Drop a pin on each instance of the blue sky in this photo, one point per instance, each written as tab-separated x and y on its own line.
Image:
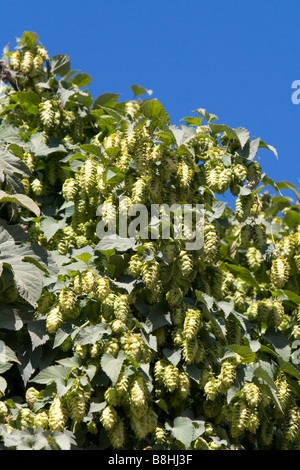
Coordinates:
235	58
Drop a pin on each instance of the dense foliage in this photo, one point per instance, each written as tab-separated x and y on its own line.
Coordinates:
131	343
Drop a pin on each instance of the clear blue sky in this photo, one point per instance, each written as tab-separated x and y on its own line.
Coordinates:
235	58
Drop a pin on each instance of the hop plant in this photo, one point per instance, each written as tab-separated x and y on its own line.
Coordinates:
168	330
25	418
211	242
243	207
225	179
241	416
212	388
41	420
254	258
54	319
171	377
227	374
160	435
184	386
88	175
58	414
31	396
26	62
76	401
280	271
251	394
292	424
118	435
192	323
109	418
137	392
135	266
239	173
185	174
254	174
37	187
185	263
3	411
67	300
69	189
191	350
122	308
122	386
87	281
283	392
47	113
150	273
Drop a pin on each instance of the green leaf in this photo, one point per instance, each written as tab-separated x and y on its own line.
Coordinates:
263	374
91	334
139	90
218	209
4	367
192	121
112	365
262	144
42	148
183	135
94	150
199	428
271	393
22	200
106	99
60	64
280	343
37	332
65	93
115	242
13	168
113	175
243	273
85	257
28	100
3	385
162	404
69	362
126	282
64	439
50	226
96	407
7	354
193	372
10	134
154	109
287	295
28	39
81	79
27	262
157	318
51	374
207	116
227	307
240	133
288	185
244	351
26	276
250	149
183	430
10	318
62	334
291	218
173	356
288	368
